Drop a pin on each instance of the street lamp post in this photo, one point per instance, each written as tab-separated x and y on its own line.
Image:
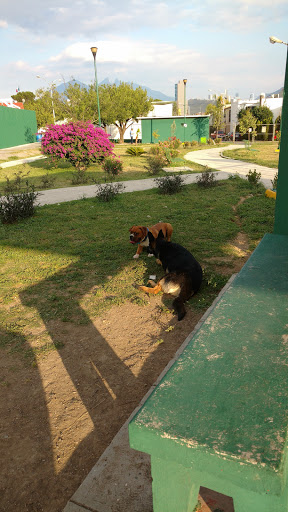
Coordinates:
51	85
94	51
281	207
185	82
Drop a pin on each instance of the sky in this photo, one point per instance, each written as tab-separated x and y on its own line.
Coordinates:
216	46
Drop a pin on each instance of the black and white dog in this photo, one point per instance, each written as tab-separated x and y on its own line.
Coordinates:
183	272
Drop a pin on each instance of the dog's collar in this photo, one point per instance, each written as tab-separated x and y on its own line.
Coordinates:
145	237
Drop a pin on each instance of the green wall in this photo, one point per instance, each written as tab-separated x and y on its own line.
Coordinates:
17	127
197	127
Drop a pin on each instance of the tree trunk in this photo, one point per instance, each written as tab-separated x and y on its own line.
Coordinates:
122	130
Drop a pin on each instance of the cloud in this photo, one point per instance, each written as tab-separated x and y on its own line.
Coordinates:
95	18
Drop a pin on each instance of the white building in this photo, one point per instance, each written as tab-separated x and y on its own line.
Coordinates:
160	109
231	111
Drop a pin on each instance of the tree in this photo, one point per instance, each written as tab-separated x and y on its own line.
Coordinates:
121	105
247	121
263	115
217	113
79	103
25	97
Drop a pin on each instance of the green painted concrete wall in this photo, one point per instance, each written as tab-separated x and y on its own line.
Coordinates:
197	128
17	127
281	208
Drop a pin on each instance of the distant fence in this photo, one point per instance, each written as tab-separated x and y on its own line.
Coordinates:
17	127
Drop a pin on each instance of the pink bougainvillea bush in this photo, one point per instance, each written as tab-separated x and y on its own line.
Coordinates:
79	142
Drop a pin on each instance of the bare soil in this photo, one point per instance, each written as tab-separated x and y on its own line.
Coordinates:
57	418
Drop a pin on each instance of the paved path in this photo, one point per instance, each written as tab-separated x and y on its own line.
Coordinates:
210	157
213	159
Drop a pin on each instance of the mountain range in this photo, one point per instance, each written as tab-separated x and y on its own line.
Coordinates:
156	95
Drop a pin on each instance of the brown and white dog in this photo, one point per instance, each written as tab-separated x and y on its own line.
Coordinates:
139	235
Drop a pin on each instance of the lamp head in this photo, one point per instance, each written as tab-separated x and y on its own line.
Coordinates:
94	51
274	40
185	80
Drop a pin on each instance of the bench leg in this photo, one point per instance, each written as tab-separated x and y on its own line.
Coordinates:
245	501
173	487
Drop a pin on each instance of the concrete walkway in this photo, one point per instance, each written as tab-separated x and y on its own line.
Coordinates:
213	159
207	157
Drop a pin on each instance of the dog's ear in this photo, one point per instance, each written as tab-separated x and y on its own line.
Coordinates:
151	238
161	234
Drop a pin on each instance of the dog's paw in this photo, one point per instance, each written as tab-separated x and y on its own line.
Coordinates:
150	255
136	256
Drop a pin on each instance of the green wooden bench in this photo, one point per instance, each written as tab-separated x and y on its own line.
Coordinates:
219	416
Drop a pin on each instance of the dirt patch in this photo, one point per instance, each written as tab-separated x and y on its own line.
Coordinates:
58	417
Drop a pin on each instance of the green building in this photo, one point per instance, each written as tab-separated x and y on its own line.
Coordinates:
184	128
17	127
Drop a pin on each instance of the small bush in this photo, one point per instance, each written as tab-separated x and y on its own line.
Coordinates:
194	143
186	144
112	166
218	140
135	151
206	179
253	177
170	184
274	181
154	150
79	177
210	141
108	191
18	201
155	164
47	181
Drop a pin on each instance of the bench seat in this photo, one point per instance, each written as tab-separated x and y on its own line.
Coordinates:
219	416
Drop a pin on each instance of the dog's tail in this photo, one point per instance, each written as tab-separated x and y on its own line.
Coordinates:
179	307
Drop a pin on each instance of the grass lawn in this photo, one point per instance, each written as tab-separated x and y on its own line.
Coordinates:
262	153
72	261
62	175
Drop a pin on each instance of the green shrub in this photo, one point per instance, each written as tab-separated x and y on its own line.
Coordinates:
209	141
18	201
194	143
274	181
108	191
170	184
218	140
112	166
253	177
155	164
154	150
79	177
135	151
186	144
206	179
47	181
